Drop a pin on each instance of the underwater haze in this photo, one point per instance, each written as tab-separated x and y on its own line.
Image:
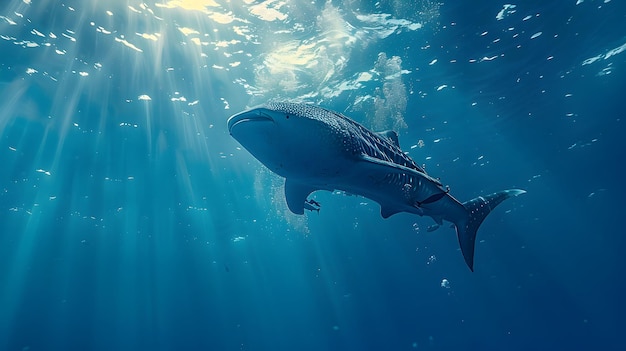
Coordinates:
131	220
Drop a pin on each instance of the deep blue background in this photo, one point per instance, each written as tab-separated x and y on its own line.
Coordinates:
168	236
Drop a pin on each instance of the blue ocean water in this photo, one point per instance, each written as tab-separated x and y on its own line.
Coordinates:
131	220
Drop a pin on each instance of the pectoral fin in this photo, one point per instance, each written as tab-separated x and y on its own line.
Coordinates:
296	195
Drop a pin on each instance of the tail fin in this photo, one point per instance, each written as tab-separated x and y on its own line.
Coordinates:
477	209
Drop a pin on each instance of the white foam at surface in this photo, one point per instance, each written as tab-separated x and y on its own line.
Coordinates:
609	54
364	77
269	10
38	33
68	37
127	44
187	31
507	10
386	25
153	37
615	51
8	20
592	59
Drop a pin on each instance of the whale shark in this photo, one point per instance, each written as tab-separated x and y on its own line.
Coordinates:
314	148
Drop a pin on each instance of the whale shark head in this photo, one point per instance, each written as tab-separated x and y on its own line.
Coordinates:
291	139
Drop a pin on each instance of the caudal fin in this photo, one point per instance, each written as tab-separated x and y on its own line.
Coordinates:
477	210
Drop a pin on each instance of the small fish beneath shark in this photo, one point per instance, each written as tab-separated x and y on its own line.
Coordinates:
318	149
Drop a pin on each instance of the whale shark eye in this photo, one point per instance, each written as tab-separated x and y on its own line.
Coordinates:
287	116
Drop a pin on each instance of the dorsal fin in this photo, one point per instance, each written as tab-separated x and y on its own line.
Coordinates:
390	135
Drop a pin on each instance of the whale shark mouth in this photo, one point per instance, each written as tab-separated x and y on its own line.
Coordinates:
246	117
